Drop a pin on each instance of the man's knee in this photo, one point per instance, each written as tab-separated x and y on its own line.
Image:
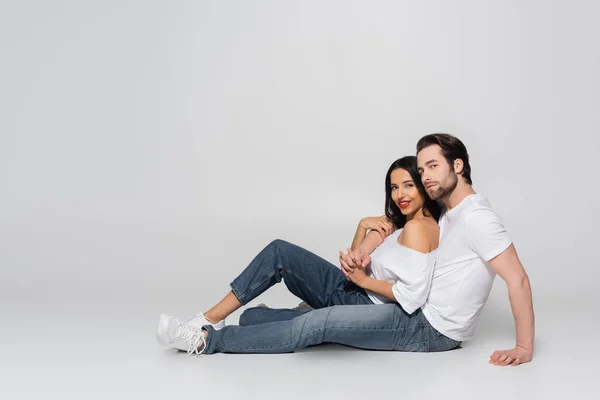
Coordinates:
311	321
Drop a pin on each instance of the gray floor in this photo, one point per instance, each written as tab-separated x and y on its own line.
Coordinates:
94	343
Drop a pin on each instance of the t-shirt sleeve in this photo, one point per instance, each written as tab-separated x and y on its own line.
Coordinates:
412	290
486	233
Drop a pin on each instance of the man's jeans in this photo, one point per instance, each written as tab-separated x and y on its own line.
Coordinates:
343	312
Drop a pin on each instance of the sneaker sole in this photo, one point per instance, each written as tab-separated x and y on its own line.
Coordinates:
161	330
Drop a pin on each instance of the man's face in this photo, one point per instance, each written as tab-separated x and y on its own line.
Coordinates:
437	175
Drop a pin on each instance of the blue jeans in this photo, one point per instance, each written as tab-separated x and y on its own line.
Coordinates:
343	312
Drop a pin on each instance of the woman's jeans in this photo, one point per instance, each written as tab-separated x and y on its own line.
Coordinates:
343	312
308	276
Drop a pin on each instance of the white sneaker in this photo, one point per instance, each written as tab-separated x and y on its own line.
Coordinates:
199	320
171	332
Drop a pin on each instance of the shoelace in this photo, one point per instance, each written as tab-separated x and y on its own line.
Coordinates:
193	337
196	319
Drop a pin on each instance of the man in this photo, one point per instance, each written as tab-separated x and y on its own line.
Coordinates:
473	248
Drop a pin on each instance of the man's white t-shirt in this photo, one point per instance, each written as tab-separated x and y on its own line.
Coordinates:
471	234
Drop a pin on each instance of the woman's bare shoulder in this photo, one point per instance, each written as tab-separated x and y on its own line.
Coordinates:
421	235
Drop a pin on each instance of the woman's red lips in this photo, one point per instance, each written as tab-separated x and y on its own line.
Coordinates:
404	204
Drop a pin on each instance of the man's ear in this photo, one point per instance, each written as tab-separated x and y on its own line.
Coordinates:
458	166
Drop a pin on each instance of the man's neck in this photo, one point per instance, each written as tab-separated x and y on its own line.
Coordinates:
459	193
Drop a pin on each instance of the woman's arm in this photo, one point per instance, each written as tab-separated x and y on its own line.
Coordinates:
381	288
356	272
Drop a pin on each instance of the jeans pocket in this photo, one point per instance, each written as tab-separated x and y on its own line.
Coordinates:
443	342
421	347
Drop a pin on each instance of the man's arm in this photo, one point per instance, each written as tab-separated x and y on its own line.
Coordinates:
359	236
378	224
371	242
508	266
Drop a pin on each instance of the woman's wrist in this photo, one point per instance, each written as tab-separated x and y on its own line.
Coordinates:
364	282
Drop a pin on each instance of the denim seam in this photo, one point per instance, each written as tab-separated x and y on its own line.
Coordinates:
207	341
242	297
305	322
424	342
418	326
237	293
260	283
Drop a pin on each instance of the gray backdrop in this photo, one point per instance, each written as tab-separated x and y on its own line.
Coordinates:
149	149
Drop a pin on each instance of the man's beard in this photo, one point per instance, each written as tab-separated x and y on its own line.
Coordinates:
444	188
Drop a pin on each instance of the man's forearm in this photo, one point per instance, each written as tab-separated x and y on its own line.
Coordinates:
370	243
359	237
521	303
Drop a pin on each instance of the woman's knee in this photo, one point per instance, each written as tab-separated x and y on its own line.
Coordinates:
249	316
279	243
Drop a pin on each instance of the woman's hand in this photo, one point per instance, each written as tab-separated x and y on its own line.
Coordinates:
354	266
382	224
354	258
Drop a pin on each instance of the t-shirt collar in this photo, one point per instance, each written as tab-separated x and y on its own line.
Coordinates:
450	214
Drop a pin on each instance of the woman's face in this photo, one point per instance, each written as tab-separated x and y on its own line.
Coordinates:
404	192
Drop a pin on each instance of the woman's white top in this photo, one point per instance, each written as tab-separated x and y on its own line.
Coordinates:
409	270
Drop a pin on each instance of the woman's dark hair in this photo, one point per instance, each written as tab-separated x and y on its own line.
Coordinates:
452	148
392	211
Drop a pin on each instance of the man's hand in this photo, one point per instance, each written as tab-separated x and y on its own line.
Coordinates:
382	224
514	357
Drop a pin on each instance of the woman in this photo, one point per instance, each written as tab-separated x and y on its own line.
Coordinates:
394	278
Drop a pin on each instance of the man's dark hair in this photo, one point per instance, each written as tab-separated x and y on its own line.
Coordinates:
452	148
